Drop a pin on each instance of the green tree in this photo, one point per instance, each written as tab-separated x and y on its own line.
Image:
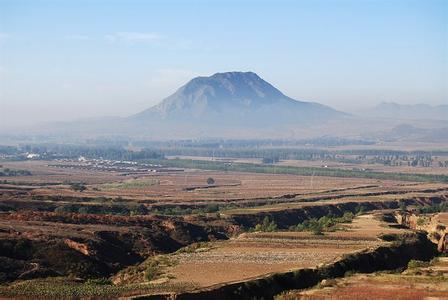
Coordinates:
267	225
78	186
210	181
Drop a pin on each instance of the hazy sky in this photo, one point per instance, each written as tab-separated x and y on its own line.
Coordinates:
75	59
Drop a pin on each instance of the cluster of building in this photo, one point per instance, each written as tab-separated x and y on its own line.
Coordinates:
129	167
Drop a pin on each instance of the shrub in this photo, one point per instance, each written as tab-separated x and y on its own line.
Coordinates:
84	210
266	226
388	237
412	264
152	271
66	208
420	221
317	231
78	186
325	223
211	208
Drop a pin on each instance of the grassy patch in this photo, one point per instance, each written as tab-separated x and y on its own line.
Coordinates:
325	223
413	264
151	269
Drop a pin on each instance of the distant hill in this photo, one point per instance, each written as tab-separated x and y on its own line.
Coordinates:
410	112
407	132
234	99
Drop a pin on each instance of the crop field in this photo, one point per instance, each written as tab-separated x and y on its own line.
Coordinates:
257	254
191	185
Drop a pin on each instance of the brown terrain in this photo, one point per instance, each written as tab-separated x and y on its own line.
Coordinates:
188	233
428	281
254	254
415	283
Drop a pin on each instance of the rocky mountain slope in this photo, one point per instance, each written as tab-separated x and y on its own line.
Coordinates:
232	98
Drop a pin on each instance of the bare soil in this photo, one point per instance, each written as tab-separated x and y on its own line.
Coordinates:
256	254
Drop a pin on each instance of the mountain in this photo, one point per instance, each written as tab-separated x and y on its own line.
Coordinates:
224	105
408	112
234	98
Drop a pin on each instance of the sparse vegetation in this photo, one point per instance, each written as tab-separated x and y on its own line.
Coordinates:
413	264
78	186
10	172
421	221
325	223
200	246
152	270
179	211
435	208
266	226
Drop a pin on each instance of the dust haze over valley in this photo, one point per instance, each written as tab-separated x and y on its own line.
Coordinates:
243	105
228	150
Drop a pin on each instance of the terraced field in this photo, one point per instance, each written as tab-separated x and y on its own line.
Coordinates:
251	255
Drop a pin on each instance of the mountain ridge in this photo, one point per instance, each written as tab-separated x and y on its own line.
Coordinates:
407	111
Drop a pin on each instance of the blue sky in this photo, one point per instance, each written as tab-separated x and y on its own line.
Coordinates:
77	59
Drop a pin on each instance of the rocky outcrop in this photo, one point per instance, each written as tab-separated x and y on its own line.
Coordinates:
437	232
442	246
407	219
80	247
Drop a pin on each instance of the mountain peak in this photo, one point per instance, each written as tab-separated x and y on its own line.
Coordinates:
236	75
231	85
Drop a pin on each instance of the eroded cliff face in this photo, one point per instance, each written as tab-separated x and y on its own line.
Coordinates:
407	219
292	216
42	244
431	223
86	245
442	245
